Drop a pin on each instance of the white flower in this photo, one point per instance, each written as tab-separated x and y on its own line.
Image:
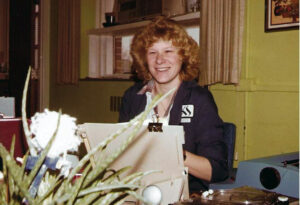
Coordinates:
1	176
43	126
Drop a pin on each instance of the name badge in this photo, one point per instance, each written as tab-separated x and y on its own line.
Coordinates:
185	120
187	113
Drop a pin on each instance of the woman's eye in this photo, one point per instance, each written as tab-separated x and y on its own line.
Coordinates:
169	51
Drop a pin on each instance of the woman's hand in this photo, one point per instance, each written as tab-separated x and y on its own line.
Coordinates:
198	166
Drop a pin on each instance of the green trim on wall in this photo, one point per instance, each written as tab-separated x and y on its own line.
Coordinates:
87	22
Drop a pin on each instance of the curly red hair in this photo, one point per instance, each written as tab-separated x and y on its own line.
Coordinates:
168	30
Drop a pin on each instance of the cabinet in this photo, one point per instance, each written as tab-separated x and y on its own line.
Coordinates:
104	46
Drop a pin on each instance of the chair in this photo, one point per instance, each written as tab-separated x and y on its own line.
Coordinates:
8	128
229	138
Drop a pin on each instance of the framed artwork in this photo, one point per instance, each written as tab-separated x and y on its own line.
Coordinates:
281	14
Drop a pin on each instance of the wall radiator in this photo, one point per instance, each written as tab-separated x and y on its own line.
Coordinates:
115	103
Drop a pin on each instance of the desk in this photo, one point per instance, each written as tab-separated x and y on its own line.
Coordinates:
241	195
9	127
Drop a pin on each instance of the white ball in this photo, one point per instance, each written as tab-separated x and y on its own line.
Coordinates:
152	194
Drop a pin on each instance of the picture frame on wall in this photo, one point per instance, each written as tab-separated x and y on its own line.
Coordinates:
281	15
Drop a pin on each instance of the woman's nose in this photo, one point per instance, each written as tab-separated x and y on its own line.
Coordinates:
160	58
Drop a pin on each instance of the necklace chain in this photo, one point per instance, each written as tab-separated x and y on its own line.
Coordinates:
166	110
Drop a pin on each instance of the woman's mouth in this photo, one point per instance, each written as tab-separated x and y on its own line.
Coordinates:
162	69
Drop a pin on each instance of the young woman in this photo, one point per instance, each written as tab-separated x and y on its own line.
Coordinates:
166	57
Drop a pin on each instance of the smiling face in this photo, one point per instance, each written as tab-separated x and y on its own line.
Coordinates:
164	63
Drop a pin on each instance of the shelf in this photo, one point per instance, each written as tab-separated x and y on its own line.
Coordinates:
126	29
120	77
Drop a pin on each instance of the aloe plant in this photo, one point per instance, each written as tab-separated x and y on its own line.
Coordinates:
95	186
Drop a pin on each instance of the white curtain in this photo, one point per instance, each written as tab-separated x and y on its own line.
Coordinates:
221	36
68	42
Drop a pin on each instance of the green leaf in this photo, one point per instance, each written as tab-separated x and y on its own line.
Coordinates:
24	116
10	180
25	157
107	187
14	171
55	185
116	174
78	184
12	145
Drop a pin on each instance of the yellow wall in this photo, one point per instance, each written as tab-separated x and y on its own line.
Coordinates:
264	106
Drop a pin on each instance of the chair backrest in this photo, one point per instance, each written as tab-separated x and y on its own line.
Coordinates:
229	137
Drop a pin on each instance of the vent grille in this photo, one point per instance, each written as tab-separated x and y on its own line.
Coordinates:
115	103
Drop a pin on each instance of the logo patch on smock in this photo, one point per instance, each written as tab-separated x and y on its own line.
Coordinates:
187	111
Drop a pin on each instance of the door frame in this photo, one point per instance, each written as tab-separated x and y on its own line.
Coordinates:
44	87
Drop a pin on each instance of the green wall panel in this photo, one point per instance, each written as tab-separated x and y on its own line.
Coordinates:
90	100
273	123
